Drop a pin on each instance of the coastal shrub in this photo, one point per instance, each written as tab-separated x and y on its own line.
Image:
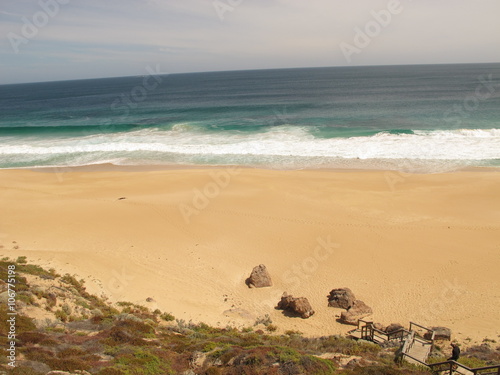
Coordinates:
483	352
35	270
271	328
265	320
24	370
472	362
317	366
61	315
293	333
66	309
69	364
27	298
22	260
143	362
39	354
26	338
72	352
82	302
51	300
209	347
23	323
38	292
71	280
213	371
254	357
285	355
378	370
337	344
167	317
21	284
111	371
229	354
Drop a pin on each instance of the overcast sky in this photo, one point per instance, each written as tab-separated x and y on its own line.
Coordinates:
74	39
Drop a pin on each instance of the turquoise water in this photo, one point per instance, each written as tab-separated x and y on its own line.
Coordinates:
423	118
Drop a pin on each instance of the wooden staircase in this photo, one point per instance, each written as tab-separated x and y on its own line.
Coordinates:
417	343
418	351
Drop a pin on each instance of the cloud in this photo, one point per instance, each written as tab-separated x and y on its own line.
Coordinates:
92	35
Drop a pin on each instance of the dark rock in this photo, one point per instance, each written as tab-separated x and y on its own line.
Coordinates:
358	310
259	278
441	333
392	331
297	306
393	327
343	298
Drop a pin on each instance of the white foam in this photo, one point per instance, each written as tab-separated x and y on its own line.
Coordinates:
280	142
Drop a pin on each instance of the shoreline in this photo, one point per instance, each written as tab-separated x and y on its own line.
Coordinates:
110	167
423	249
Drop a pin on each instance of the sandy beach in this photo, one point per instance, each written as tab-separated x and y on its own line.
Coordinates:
422	248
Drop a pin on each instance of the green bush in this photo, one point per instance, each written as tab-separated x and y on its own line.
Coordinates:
167	317
144	363
472	362
61	315
271	328
209	347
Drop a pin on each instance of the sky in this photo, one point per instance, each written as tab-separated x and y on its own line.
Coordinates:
49	40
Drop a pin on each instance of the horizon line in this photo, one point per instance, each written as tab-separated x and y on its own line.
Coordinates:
250	70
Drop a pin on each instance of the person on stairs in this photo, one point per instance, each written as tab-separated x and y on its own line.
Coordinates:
455	352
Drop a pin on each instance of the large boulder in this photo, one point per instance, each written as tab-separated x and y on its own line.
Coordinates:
440	333
393	327
259	278
297	306
342	298
358	310
380	327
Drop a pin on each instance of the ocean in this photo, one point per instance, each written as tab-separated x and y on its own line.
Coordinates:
422	118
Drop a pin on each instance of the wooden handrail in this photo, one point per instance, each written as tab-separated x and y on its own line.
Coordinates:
421	326
473	370
364	321
369	326
433	333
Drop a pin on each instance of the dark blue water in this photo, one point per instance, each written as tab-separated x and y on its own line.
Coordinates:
428	117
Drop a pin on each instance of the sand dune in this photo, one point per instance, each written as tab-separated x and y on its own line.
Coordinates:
424	248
